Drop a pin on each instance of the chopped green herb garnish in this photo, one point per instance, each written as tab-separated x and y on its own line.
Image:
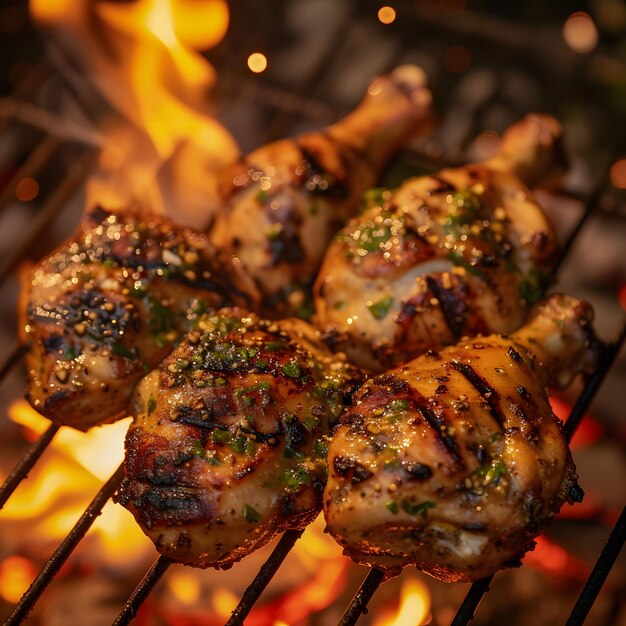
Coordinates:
392	505
490	473
295	478
250	514
417	509
275	346
373	198
160	318
151	405
292	369
380	309
457	259
119	349
220	436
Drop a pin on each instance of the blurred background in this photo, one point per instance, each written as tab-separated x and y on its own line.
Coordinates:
140	102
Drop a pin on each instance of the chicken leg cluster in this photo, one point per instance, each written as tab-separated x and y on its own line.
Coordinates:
249	422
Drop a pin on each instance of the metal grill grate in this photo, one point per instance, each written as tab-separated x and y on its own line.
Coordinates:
289	106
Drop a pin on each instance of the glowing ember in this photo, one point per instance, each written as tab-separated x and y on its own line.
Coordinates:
16	575
414	608
617	174
622	297
224	601
587	432
386	15
27	189
580	33
552	558
162	155
185	585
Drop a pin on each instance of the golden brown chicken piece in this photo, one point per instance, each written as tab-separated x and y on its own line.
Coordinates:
229	443
287	199
108	305
455	461
463	252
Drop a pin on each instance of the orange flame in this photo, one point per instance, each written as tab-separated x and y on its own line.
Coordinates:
141	57
61	486
414	608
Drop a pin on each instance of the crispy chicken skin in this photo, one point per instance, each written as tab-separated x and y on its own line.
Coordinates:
287	199
229	443
454	462
108	305
463	252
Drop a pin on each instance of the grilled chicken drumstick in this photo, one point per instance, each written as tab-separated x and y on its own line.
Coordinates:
455	461
229	443
286	200
462	252
108	305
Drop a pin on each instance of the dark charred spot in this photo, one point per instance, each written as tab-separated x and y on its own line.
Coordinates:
474	527
576	494
350	468
524	393
296	434
515	355
319	181
417	471
53	343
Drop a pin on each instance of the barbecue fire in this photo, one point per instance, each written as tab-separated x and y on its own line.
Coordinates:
160	145
414	607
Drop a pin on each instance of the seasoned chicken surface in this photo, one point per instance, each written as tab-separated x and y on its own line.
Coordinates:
287	199
229	443
455	461
463	252
108	305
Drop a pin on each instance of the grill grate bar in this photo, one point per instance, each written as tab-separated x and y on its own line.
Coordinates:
61	554
600	571
591	203
26	463
265	575
609	354
143	589
466	611
358	605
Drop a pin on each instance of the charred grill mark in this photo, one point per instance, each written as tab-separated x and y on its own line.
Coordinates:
440	428
389	386
484	389
194	416
318	180
443	186
285	246
453	306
